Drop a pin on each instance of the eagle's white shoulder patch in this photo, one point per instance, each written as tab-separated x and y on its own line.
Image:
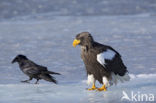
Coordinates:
108	54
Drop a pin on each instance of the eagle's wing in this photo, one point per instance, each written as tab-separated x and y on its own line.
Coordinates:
111	60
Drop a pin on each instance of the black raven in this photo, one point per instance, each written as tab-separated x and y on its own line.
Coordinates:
34	70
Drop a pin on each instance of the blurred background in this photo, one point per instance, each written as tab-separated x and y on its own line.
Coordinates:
10	9
44	30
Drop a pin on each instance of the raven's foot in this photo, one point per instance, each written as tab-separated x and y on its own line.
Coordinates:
25	81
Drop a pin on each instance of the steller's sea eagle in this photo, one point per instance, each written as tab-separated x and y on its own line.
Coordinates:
102	62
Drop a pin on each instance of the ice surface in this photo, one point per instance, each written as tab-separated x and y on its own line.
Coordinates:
74	92
44	33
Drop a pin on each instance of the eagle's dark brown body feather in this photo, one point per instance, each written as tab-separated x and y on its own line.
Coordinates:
89	57
89	51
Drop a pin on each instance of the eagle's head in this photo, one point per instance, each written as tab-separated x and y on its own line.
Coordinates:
83	39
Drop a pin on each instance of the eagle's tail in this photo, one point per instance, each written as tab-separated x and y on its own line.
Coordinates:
116	78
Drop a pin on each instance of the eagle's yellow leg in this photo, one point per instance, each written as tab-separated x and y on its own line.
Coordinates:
103	88
93	87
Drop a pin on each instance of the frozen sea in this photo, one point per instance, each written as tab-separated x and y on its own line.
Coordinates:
44	32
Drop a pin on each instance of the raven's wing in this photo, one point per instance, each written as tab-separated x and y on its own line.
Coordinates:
32	70
45	70
42	68
39	67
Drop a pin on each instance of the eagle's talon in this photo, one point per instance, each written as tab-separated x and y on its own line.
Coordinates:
92	88
103	88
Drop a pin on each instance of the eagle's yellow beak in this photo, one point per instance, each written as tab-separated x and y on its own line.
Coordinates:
76	42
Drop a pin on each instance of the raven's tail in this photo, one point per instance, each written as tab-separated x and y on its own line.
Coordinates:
48	77
50	72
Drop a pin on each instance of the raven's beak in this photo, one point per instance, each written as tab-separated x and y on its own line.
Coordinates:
14	60
76	42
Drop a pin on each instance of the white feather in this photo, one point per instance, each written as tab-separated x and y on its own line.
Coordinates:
108	54
116	78
91	79
105	81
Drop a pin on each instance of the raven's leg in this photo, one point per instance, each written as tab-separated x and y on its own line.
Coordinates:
27	81
37	81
